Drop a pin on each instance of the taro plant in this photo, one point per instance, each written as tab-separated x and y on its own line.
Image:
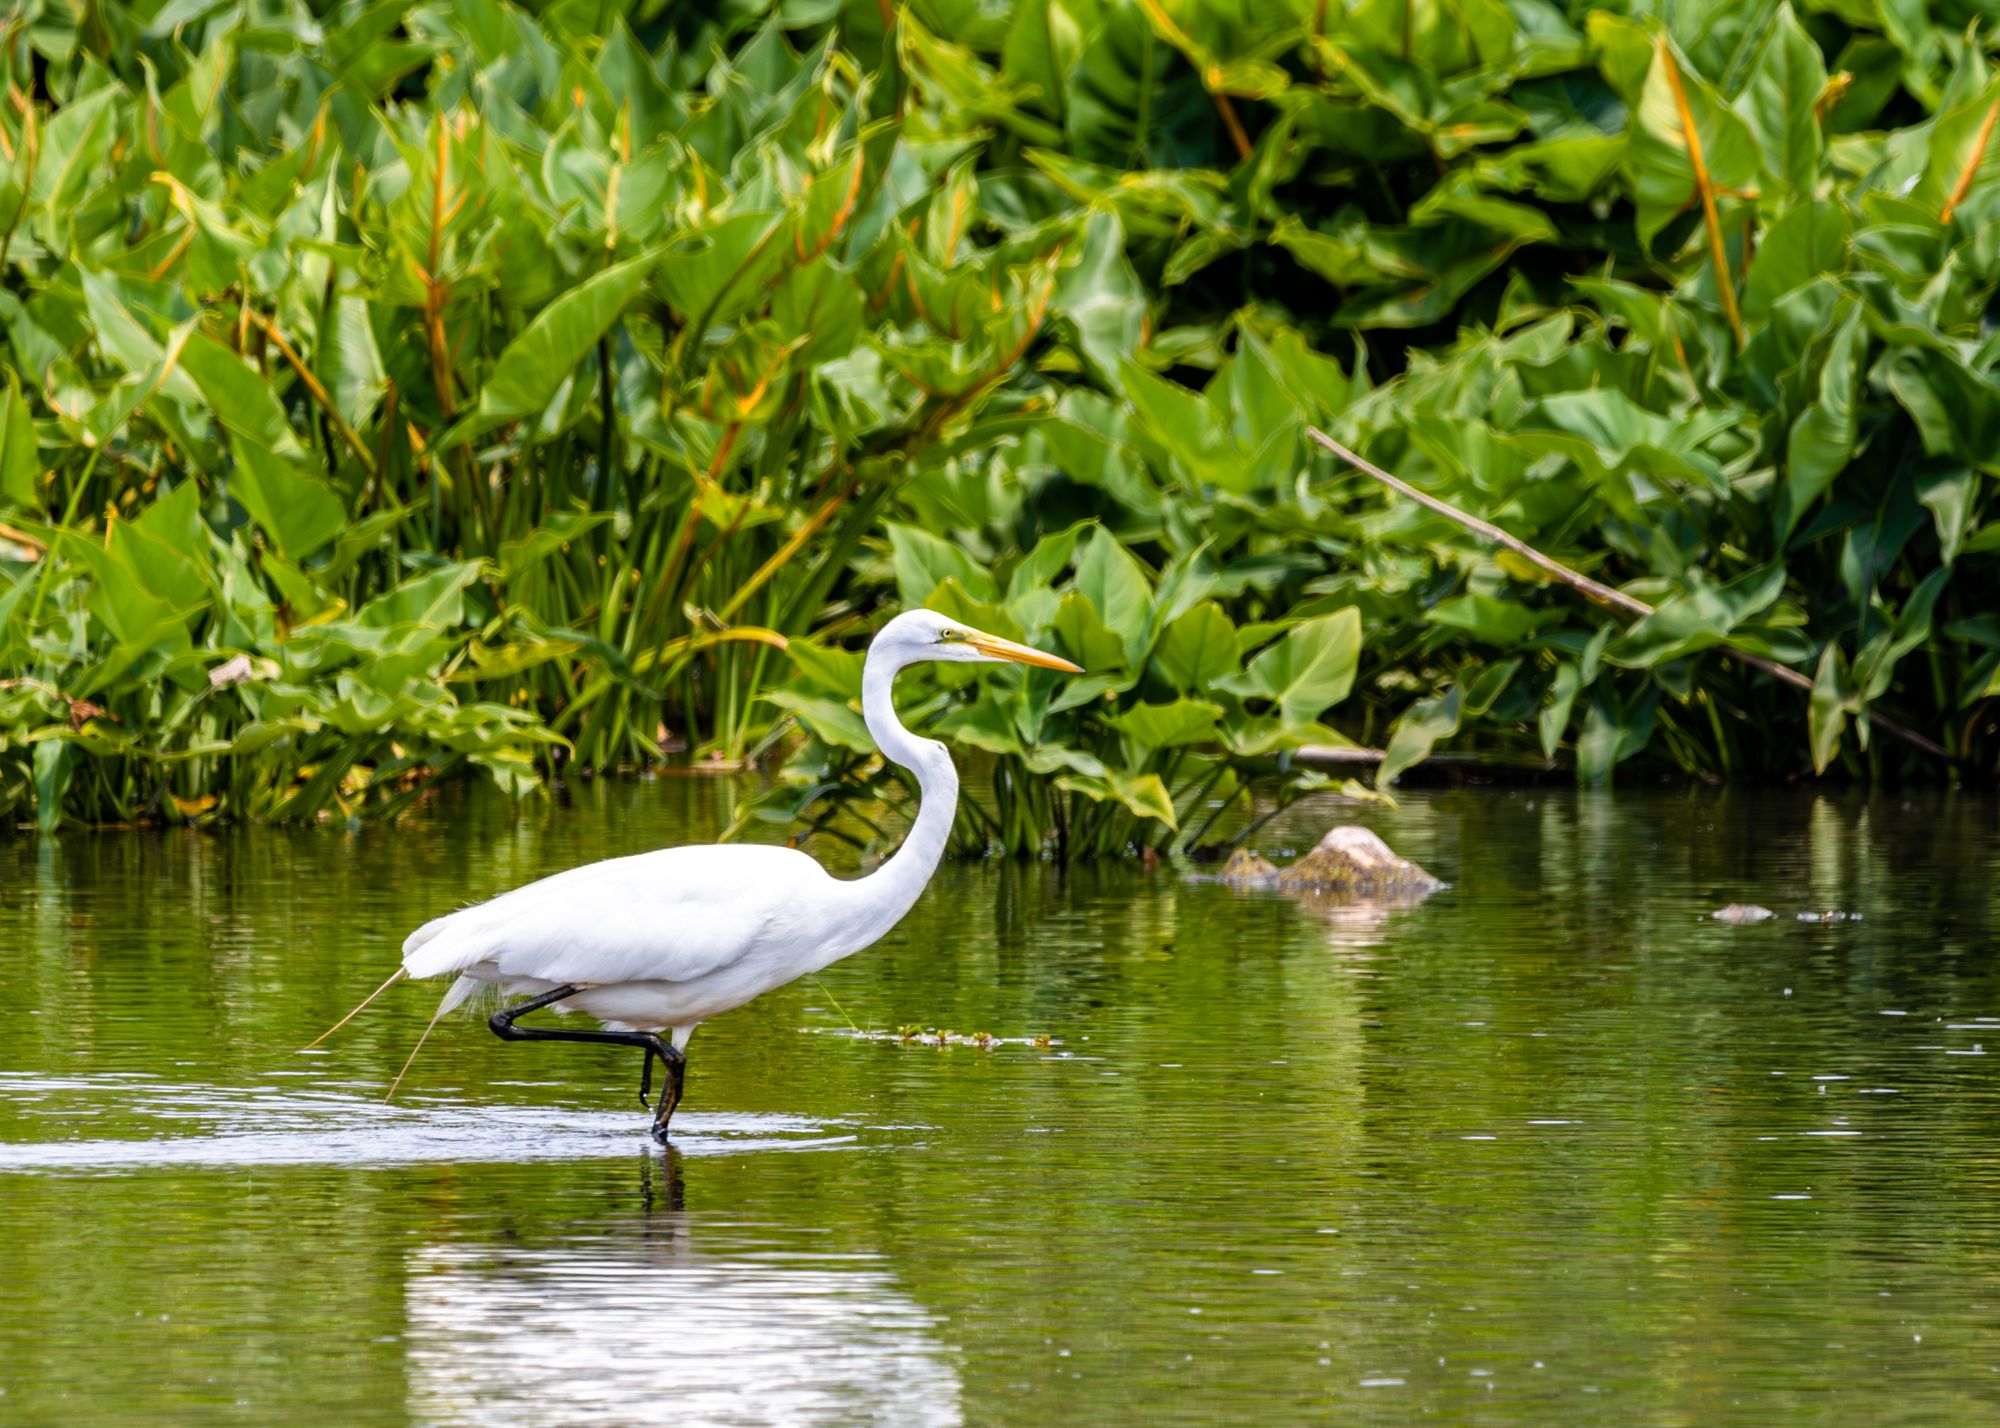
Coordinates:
1177	710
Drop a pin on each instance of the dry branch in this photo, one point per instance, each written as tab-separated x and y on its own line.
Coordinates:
1591	589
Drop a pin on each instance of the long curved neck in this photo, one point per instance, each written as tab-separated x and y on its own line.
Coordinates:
890	891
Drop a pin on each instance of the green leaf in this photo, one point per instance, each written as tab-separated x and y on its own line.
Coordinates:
1948	495
1616	436
433	601
1166	726
1822	439
1612	732
923	562
1875	667
1038	568
298	513
822	304
1697	619
831	720
1957	410
1781	102
348	360
1197	651
52	773
1417	733
1826	714
1459	199
1116	586
242	399
165	550
1483	691
20	463
536	363
1808	241
1553	719
124	339
1087	640
1308	671
1188	426
1143	794
1500	622
73	145
713	273
1102	299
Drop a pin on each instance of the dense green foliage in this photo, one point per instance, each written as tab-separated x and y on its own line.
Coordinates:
396	387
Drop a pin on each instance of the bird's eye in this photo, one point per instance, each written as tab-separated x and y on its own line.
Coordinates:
946	637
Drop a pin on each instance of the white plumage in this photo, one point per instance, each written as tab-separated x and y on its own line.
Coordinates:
661	939
665	940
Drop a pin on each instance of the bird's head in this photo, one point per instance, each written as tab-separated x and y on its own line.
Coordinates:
924	634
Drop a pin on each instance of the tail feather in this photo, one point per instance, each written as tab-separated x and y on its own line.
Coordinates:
452	944
458	992
426	933
394	978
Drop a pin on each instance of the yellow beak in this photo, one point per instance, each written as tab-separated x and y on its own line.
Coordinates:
993	647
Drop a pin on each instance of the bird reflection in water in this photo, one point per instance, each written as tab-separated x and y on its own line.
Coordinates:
637	1324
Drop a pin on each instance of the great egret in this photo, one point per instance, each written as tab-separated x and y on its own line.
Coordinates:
663	941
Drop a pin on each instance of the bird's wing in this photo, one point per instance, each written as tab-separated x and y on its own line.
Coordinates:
668	916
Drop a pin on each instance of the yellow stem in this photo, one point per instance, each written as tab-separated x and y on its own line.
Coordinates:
319	392
1971	170
1706	189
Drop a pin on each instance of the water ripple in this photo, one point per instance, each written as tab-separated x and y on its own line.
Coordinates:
281	1126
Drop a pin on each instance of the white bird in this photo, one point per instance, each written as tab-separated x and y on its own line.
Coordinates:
663	941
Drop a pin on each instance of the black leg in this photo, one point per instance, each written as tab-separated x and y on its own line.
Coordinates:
676	1070
675	1062
649	1042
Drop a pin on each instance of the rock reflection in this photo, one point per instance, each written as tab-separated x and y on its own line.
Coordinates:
647	1330
1351	926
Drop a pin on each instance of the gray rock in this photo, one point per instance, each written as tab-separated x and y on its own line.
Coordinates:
1349	861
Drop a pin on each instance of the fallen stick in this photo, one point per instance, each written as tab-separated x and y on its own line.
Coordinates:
1594	590
1339	756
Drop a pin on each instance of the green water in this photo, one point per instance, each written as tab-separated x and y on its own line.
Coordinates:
1553	1148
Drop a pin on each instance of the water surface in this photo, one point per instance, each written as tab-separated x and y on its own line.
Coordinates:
1553	1148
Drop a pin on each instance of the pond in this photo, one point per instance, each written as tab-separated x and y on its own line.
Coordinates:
1554	1147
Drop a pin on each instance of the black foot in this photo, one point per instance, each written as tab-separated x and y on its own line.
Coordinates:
648	1042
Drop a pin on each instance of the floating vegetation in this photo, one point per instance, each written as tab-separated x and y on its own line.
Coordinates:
919	1036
